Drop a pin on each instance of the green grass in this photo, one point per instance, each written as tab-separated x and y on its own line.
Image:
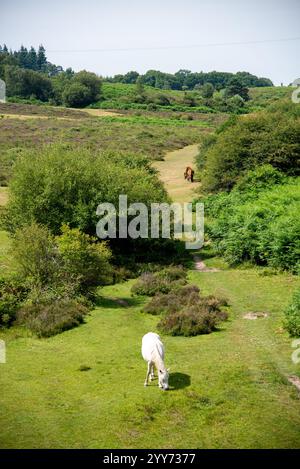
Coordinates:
84	388
156	121
262	97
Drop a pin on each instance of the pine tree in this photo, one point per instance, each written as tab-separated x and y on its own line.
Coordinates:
22	56
32	59
41	58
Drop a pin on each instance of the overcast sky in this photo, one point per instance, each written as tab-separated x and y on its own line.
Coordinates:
153	34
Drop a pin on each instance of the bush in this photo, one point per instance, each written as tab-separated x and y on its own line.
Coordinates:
84	258
173	301
60	185
258	221
47	319
76	95
201	318
12	293
164	281
81	90
292	316
250	141
71	263
36	255
185	312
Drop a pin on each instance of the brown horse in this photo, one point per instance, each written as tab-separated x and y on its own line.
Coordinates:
189	174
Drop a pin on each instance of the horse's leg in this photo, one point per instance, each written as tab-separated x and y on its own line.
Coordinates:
148	373
152	377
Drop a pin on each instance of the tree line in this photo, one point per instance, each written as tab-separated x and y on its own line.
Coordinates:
187	80
29	75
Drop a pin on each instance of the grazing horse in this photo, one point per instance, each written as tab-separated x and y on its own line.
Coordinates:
189	174
153	352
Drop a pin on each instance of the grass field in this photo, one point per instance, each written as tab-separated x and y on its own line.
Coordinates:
145	133
228	389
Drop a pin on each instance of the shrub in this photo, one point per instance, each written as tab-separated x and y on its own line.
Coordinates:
258	221
185	312
65	185
35	253
163	281
172	301
92	82
193	320
172	273
249	141
12	293
47	319
65	265
77	95
292	316
84	258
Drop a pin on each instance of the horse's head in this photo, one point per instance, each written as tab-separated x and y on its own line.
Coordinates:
163	376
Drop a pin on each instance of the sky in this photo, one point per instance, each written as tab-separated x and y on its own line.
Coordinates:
115	36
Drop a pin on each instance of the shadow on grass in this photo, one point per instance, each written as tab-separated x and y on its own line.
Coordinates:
179	381
110	302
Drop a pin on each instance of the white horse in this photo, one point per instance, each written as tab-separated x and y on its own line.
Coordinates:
153	352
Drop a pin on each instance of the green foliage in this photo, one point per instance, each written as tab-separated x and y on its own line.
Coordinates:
78	90
91	81
47	319
160	282
71	262
187	80
266	137
84	259
195	320
27	83
292	315
62	185
235	87
186	312
76	95
173	301
12	293
35	254
207	90
258	221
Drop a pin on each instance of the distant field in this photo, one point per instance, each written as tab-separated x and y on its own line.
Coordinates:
263	97
147	133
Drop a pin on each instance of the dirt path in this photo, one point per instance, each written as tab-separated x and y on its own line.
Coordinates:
171	173
91	112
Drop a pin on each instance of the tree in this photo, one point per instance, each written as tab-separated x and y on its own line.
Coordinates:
92	82
27	83
32	59
59	185
76	95
207	90
41	58
235	86
130	77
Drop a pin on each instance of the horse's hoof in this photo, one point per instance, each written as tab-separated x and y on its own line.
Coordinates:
145	384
